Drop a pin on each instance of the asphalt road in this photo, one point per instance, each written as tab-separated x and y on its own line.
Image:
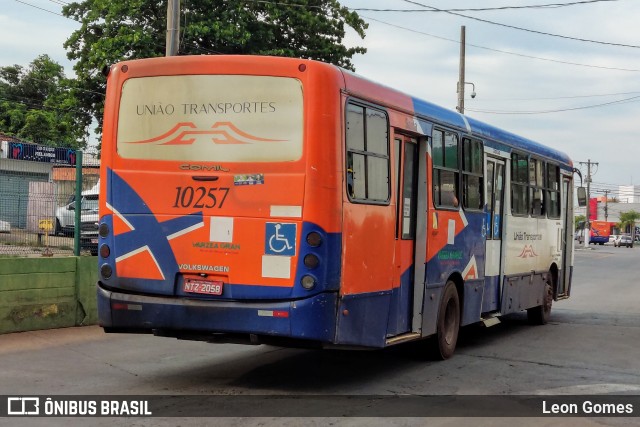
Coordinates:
590	347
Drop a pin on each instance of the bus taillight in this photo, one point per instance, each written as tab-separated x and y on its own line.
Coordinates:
314	239
105	251
311	261
103	230
106	271
308	282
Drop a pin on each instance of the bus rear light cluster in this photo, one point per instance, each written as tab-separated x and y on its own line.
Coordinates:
311	261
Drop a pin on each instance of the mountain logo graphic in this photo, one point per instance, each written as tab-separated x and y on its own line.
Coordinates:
186	133
527	252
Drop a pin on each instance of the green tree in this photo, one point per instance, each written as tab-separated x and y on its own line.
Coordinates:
628	220
38	104
577	220
113	31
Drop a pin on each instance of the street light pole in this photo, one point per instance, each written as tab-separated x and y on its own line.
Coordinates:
460	107
587	222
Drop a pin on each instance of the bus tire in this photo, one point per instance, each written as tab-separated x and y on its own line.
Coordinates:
448	322
540	315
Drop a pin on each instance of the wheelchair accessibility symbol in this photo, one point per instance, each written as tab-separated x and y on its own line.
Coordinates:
280	239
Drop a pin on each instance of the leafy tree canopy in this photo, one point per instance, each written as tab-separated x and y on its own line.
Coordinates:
628	220
113	31
38	104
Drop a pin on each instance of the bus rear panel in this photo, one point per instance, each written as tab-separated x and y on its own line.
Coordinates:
204	222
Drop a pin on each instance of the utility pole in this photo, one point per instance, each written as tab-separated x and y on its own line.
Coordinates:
460	107
606	205
173	27
587	222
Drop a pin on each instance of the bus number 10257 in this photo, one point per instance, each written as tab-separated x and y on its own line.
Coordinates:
200	197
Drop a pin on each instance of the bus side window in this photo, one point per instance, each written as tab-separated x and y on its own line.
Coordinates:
519	187
472	184
536	174
445	155
367	161
553	191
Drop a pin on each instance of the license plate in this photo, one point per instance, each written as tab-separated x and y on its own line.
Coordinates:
205	287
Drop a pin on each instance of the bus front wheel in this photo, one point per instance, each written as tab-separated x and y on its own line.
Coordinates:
448	322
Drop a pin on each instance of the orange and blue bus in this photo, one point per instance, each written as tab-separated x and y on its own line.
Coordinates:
291	202
599	232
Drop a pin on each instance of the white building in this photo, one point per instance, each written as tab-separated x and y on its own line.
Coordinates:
629	193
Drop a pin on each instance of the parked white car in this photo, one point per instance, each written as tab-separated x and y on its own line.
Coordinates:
5	227
65	215
623	240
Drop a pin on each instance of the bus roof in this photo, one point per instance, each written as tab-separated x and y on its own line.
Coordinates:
373	91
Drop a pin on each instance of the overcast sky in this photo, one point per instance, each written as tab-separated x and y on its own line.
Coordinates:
556	103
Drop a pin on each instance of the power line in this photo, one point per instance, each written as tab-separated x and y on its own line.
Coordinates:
557	97
454	12
620	101
197	48
616	188
480	9
524	29
635	70
610	185
201	49
506	52
43	9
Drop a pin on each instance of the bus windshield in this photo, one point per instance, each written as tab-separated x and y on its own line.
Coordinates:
217	118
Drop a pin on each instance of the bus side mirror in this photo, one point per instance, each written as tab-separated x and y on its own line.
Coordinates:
582	197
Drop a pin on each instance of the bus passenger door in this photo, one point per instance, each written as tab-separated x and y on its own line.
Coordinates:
400	315
567	239
493	231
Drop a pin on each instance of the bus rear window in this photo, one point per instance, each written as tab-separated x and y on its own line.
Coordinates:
217	118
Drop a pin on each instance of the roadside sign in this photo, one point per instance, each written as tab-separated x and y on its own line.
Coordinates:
45	225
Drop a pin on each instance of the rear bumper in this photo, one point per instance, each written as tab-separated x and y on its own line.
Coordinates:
310	319
599	240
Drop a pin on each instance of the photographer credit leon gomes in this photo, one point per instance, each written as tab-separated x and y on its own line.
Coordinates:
587	407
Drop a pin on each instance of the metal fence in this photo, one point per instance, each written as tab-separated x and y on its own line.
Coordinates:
38	199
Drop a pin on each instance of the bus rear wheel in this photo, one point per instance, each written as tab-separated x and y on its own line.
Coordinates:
448	322
540	315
